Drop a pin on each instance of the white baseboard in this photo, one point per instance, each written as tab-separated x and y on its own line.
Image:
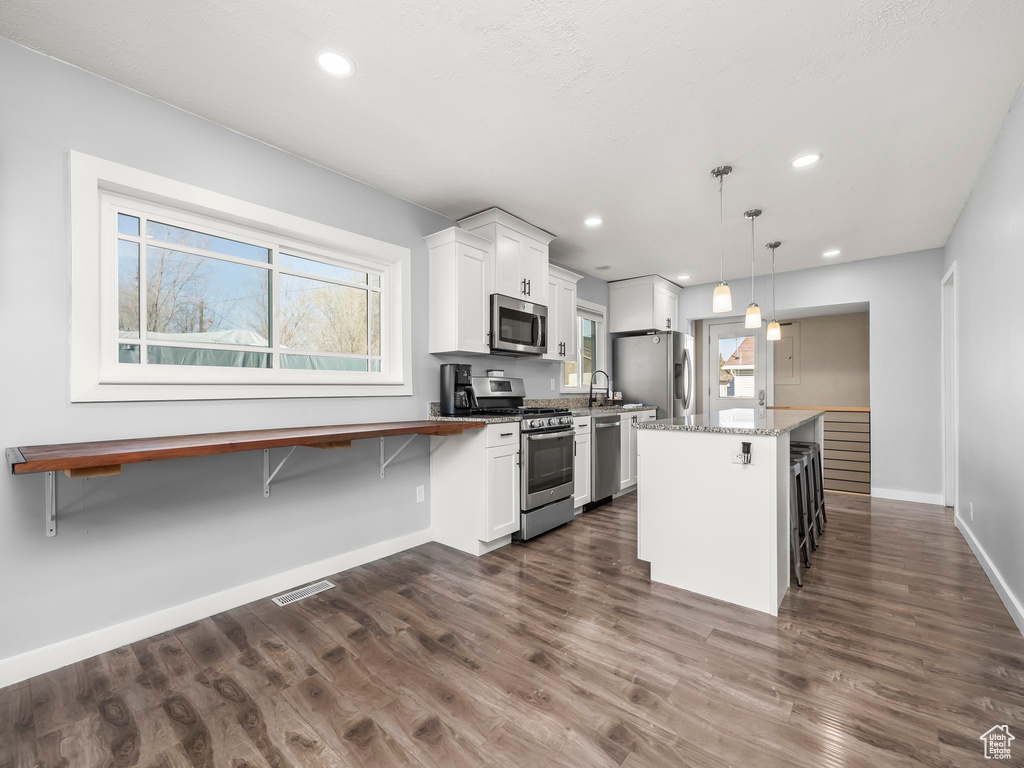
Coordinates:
1010	600
915	496
37	662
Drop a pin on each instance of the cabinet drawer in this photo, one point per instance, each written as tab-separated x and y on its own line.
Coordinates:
502	434
582	424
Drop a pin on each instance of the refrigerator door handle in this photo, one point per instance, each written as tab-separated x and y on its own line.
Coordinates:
687	380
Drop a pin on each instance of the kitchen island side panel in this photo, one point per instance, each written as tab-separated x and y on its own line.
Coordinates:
709	525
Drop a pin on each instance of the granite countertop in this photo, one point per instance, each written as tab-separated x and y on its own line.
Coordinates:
484	419
600	410
737	421
577	405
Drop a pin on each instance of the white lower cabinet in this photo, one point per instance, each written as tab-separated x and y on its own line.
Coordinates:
474	488
502	489
581	463
627	445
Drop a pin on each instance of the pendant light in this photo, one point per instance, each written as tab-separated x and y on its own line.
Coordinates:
774	332
753	317
722	301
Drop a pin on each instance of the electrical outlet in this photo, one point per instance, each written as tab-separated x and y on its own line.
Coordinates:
972	511
741	457
420	494
552	385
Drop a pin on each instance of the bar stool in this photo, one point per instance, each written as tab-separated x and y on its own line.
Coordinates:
818	475
809	488
800	511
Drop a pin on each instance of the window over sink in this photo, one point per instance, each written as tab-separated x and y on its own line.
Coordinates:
591	348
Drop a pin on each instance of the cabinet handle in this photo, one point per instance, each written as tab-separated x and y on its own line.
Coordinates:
507	434
522	288
529	288
668	322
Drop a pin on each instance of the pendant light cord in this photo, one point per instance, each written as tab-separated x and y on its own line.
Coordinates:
752	259
773	283
721	226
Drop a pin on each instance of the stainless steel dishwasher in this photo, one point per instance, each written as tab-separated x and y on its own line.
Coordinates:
605	476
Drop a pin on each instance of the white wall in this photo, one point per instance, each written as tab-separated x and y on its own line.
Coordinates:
987	245
169	532
902	291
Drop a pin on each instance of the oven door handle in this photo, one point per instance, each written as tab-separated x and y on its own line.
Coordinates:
552	435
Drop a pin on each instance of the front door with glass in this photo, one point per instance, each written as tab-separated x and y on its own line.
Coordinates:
736	367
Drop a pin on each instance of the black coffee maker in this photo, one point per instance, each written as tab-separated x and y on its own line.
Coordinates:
457	398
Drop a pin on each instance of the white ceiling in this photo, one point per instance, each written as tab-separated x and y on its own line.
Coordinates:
558	110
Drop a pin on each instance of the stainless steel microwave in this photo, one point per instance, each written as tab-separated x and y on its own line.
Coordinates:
518	327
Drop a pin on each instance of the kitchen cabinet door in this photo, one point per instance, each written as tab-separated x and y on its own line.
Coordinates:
666	308
502	492
581	470
509	250
565	306
555	331
471	302
561	305
534	269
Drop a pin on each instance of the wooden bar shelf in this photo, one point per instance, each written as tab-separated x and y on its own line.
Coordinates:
105	457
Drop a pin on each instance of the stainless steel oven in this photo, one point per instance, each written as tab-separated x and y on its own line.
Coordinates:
518	327
546	458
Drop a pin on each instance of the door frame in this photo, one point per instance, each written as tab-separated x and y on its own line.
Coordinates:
950	391
769	360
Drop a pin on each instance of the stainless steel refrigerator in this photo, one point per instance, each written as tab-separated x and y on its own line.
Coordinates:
656	369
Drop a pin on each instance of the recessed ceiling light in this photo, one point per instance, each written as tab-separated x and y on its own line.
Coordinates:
602	268
335	64
593	221
804	160
831	253
683	277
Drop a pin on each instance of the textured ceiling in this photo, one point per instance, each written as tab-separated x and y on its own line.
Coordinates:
558	110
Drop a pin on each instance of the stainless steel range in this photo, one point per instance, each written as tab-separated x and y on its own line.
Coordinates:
546	453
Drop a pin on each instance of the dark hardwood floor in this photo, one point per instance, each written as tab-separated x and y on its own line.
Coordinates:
897	652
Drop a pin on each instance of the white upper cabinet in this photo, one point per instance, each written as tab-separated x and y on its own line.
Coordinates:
458	292
666	308
520	260
509	250
535	271
561	294
643	304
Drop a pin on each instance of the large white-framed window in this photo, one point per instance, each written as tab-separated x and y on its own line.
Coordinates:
591	348
181	293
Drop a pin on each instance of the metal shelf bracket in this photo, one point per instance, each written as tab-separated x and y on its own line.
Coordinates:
267	474
384	462
50	513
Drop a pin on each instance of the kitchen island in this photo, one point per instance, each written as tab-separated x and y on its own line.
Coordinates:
708	522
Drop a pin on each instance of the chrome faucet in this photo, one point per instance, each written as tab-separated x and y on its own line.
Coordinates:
608	387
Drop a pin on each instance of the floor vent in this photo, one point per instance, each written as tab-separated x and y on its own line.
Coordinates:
308	591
